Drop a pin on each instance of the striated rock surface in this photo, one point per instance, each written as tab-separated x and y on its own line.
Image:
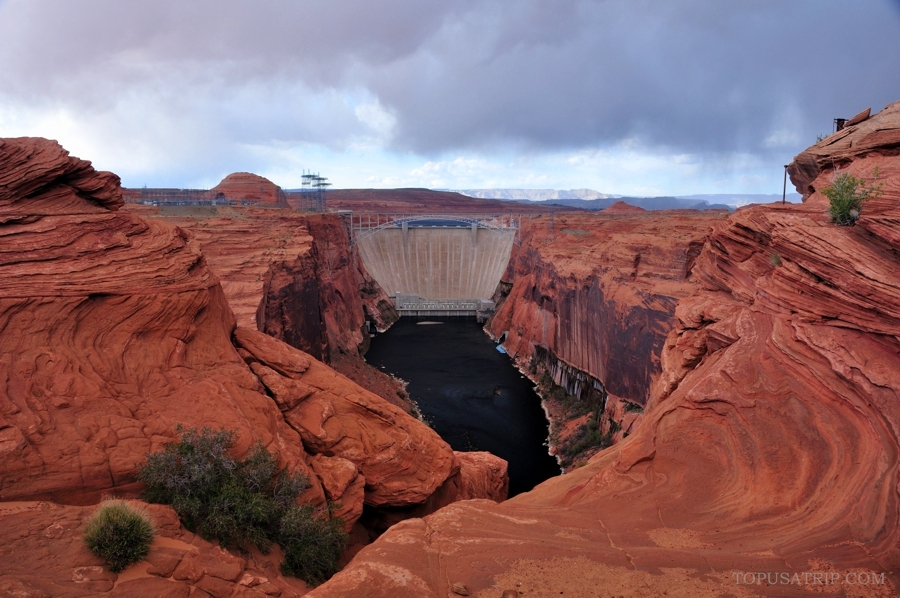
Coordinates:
402	460
589	298
44	555
246	187
293	276
113	331
769	443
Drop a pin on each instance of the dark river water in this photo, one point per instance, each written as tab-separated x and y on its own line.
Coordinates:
469	392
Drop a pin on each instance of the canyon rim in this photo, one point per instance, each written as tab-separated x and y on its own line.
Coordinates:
740	372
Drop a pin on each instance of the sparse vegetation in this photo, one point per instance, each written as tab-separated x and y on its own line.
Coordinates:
775	259
587	438
312	547
633	407
241	502
119	534
847	194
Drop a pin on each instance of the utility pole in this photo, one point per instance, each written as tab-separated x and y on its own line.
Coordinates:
784	188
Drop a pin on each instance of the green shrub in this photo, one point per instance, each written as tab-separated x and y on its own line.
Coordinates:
239	502
846	195
119	534
312	547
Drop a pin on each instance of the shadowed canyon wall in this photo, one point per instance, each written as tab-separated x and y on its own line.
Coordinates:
769	443
437	263
589	298
293	276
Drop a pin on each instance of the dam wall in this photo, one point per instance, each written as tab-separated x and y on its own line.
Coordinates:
437	262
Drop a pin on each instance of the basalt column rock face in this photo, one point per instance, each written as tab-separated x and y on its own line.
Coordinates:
769	443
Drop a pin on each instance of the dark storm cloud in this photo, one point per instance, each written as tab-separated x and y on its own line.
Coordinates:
541	75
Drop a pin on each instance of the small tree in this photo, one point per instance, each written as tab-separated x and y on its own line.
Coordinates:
846	194
119	534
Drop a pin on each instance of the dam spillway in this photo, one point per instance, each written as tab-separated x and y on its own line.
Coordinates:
438	266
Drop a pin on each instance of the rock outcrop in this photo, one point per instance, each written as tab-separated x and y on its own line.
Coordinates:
44	555
246	187
113	330
402	460
294	276
769	443
589	298
620	207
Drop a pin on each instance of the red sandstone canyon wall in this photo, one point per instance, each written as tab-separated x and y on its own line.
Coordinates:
769	443
114	329
294	276
590	298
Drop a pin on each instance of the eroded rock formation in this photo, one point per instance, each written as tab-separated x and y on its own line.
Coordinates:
590	298
114	330
246	187
769	443
293	275
45	556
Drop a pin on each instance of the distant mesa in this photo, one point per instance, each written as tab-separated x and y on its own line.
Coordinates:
250	188
620	207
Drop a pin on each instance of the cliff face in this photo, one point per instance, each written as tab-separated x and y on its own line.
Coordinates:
769	443
113	330
293	276
591	300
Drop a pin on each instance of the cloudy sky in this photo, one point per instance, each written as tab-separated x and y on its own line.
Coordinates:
639	97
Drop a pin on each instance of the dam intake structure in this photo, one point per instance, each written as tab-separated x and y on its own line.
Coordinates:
436	264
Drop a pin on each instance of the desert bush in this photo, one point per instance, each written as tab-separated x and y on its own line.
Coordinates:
237	502
241	502
119	534
846	195
312	546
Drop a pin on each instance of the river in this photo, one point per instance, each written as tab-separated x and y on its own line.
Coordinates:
469	392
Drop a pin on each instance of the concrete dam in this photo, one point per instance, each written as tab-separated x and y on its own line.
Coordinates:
436	264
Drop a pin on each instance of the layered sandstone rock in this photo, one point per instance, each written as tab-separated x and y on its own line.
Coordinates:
402	461
113	331
294	276
246	187
44	555
589	298
769	444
